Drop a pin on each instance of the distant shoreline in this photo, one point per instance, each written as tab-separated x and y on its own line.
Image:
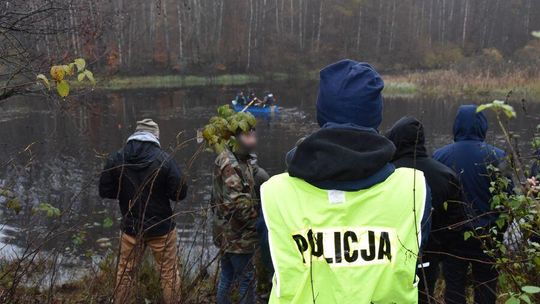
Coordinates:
429	83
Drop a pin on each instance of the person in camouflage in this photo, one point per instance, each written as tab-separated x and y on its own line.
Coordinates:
235	210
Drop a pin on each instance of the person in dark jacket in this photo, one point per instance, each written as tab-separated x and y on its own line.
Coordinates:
469	156
240	99
347	154
407	134
144	179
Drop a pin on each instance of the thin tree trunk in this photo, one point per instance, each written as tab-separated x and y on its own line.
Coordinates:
249	34
277	17
379	28
358	30
292	17
180	36
320	24
465	17
391	39
166	29
300	25
430	22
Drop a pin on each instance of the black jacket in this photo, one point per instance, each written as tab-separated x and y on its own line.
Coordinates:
407	134
146	176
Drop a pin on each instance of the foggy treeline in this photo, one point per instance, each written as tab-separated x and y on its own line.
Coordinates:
226	36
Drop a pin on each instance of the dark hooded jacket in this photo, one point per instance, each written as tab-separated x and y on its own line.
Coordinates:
448	213
469	156
146	176
347	157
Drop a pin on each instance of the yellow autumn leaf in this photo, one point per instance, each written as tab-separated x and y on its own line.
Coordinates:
62	87
58	72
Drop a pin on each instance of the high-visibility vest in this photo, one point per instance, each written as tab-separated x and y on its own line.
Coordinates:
356	247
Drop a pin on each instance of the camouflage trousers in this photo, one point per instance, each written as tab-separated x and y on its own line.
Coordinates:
164	250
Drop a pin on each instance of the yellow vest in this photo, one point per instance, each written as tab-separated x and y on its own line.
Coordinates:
331	246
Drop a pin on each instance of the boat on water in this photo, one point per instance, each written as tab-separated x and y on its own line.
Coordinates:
257	110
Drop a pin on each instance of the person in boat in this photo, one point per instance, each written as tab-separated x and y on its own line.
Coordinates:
240	99
268	99
253	100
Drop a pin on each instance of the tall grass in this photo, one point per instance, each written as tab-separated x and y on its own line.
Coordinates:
431	83
175	81
451	82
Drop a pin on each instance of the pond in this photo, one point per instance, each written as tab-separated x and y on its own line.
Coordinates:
54	153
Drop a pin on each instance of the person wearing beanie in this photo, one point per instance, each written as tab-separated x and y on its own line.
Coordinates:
448	214
344	225
145	179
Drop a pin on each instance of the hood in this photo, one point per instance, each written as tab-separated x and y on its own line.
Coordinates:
470	125
407	134
341	154
141	153
144	136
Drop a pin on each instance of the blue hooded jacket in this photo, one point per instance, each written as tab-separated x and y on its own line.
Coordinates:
469	156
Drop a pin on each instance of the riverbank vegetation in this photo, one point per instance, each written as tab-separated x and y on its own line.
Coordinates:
436	83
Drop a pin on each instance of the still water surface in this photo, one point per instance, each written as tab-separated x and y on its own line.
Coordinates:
65	149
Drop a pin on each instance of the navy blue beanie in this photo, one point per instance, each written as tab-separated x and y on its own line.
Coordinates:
350	92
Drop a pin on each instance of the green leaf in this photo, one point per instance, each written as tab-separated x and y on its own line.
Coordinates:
49	209
68	69
525	298
531	289
14	205
79	238
62	88
107	223
467	235
244	125
45	80
536	34
445	205
482	107
499	106
90	76
80	63
80	77
512	300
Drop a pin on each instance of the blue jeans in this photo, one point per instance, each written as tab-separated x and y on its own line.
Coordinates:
236	266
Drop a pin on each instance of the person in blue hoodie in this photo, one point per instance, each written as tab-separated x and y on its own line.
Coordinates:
470	157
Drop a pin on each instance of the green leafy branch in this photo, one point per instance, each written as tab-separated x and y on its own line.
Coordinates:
220	131
60	73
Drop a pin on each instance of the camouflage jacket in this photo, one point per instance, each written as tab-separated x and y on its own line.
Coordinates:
234	204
